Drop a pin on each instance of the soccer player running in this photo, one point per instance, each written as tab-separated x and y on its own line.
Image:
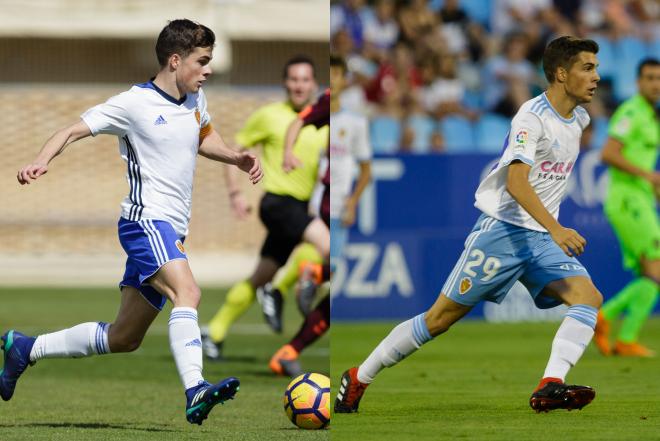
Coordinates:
283	208
518	237
162	126
631	151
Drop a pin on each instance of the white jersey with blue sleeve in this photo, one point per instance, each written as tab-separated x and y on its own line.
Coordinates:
159	140
550	144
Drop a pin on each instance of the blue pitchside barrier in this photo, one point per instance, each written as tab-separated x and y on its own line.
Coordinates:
413	221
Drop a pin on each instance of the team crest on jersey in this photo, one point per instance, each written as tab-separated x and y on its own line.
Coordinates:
465	285
342	133
521	137
198	117
179	245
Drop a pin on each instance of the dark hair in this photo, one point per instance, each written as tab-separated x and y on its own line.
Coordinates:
338	61
562	51
298	59
182	37
649	61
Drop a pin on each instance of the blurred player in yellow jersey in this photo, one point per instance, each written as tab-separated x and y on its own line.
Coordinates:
284	207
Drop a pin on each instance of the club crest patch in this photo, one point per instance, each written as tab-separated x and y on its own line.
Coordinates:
198	117
465	285
179	245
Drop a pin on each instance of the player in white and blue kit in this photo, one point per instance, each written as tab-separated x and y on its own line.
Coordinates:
518	237
162	126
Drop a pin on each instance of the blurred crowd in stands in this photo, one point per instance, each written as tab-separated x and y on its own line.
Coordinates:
448	75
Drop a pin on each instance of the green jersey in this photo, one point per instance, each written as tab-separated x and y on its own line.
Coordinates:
267	127
635	125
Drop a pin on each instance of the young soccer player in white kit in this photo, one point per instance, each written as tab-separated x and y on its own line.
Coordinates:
162	126
518	237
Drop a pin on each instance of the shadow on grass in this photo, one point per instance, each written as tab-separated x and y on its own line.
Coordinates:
89	426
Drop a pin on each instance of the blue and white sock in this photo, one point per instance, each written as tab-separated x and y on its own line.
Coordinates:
572	338
80	341
402	341
186	345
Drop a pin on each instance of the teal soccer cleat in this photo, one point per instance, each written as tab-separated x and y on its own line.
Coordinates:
16	347
203	397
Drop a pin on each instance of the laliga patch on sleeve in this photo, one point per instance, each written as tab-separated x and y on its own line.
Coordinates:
521	137
622	127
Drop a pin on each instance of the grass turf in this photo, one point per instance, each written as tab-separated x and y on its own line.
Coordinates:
139	396
474	383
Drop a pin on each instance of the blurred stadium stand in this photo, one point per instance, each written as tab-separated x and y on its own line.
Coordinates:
61	57
395	49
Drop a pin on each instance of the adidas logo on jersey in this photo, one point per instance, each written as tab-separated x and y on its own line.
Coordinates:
160	120
555	144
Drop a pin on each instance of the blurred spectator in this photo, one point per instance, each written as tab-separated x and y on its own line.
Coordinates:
416	19
463	32
399	72
512	15
509	77
347	15
444	94
381	31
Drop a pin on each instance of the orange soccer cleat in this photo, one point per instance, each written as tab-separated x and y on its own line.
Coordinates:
602	335
285	362
632	350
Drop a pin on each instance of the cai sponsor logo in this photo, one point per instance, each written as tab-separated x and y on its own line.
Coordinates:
555	170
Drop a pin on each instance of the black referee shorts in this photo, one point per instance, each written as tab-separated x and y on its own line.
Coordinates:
285	218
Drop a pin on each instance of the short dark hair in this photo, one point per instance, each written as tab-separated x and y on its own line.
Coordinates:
182	37
649	61
338	61
562	51
298	59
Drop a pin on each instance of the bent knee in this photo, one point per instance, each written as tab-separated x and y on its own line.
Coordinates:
190	295
590	296
124	344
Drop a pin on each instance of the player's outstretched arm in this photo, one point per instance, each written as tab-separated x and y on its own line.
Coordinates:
53	147
213	147
519	188
612	155
290	162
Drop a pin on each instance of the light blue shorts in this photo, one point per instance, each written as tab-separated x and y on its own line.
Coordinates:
338	239
497	254
149	244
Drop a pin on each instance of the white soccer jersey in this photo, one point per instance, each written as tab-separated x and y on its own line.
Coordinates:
550	144
349	142
159	140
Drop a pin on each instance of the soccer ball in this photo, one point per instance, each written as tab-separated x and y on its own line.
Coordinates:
307	401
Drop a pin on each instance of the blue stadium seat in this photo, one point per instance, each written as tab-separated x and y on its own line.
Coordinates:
458	134
628	51
654	48
606	57
473	100
478	10
490	132
423	127
385	133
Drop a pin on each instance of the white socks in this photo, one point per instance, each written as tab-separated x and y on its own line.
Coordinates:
186	345
80	341
404	339
572	338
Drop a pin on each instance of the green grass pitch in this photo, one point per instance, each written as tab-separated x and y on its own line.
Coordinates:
138	396
474	383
